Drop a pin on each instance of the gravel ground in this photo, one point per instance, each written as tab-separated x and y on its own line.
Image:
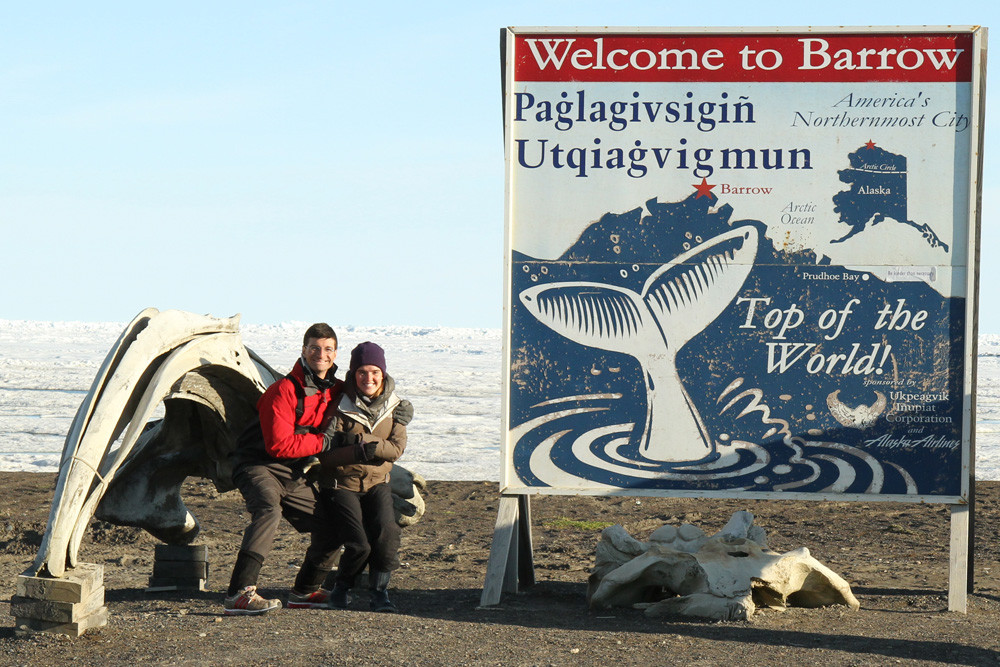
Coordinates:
895	556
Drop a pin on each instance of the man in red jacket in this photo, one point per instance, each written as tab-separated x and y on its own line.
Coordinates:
268	469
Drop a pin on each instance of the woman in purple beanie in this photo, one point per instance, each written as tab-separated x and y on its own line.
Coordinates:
371	419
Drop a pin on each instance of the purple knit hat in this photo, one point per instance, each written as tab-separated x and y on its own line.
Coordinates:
367	354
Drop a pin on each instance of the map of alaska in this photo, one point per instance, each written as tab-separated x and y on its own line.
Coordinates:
877	193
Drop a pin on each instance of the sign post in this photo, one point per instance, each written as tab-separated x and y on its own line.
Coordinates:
743	263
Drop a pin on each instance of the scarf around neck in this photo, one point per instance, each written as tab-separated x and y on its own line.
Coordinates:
313	380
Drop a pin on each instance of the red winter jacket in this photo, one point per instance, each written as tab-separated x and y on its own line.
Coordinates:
277	415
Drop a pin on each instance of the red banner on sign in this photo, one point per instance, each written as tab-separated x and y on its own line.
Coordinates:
933	57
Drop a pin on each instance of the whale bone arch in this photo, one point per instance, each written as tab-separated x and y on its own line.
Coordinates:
122	466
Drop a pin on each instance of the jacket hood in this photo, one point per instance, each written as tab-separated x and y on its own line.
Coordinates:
369	412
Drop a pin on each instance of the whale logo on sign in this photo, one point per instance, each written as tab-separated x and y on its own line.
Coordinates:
678	301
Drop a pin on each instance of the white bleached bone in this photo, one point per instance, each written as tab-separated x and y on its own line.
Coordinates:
727	577
406	499
125	467
110	404
222	350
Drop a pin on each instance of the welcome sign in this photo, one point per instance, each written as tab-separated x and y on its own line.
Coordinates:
741	262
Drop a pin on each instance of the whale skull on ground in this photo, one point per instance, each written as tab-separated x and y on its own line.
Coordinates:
682	571
124	465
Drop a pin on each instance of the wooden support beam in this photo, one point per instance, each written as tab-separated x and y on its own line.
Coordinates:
510	566
526	561
510	559
958	563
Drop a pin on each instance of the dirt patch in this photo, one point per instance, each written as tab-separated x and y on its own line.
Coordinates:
894	555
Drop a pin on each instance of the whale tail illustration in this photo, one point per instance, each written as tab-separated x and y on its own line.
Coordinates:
678	301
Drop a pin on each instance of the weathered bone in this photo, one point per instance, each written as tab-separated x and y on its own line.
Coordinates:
406	499
142	504
110	404
681	571
209	384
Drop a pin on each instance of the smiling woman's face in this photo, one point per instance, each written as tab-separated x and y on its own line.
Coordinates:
369	380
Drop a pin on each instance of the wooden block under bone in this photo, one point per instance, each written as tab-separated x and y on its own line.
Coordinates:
180	569
95	620
167	584
75	586
56	611
181	552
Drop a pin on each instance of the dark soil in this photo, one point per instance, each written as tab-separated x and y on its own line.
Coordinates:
895	556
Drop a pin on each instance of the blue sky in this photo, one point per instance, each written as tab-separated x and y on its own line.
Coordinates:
298	160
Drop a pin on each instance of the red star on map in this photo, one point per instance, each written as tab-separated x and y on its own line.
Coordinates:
870	144
703	188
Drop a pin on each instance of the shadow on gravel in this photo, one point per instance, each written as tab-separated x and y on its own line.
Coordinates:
112	596
986	596
861	590
901	649
546	605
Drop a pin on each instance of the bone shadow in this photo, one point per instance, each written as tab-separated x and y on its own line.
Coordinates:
914	592
522	611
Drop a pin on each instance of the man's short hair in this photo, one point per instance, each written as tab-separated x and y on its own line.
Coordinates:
320	330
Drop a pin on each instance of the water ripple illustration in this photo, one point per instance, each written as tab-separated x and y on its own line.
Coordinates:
575	443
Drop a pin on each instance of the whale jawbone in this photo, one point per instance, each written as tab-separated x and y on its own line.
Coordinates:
673	431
